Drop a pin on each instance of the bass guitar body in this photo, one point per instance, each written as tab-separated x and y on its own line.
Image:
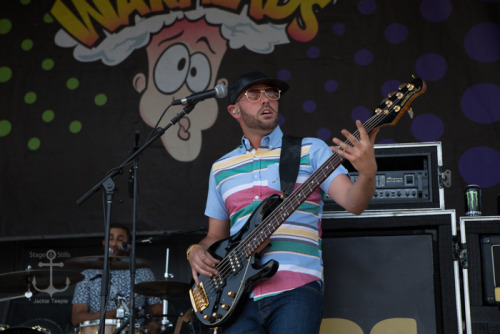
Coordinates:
216	298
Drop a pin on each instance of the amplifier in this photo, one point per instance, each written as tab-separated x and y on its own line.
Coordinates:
409	176
478	255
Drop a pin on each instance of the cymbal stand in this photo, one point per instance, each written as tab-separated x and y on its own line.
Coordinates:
17	297
164	321
10	298
28	294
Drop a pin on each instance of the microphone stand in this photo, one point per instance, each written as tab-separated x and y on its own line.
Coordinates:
135	193
108	185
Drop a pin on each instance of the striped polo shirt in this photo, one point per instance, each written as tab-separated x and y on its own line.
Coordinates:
243	178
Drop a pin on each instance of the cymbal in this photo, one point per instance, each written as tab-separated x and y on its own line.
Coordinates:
97	262
165	289
18	281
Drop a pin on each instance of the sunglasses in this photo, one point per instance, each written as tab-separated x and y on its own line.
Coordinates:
254	94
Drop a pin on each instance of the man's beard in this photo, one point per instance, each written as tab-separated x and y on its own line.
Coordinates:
258	124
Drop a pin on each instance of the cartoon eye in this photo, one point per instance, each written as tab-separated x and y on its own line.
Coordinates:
199	73
172	68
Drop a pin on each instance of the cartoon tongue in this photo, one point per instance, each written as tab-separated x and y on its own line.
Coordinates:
184	124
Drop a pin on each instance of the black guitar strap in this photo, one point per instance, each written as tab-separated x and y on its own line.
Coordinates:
289	163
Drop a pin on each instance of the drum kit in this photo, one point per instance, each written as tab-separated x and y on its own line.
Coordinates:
29	280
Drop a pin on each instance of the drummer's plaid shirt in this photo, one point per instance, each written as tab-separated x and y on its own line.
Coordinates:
88	291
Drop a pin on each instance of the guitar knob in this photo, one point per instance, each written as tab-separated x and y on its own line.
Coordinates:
224	307
208	318
231	294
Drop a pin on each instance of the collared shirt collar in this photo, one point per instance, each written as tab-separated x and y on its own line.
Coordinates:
270	141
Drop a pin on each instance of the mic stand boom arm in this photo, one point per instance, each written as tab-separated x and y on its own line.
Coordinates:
157	134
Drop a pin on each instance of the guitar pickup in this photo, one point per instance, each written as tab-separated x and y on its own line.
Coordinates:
217	281
235	262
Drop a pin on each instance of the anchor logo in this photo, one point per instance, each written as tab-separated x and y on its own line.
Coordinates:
51	255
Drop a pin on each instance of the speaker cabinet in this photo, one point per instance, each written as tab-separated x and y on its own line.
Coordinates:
480	264
390	272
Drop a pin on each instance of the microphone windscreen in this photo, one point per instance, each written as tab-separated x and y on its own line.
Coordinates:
220	91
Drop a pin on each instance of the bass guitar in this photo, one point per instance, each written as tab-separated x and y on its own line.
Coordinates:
215	298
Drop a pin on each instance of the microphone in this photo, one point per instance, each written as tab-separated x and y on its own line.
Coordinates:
220	91
145	241
150	240
126	246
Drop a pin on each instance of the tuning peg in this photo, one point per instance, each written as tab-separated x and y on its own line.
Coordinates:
410	113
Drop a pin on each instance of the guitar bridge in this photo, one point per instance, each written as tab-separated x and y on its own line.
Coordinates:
199	298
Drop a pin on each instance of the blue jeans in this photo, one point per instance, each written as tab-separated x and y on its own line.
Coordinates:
296	311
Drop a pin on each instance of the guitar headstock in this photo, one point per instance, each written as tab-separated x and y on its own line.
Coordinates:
393	107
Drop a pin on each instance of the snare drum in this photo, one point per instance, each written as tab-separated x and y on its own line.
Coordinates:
92	327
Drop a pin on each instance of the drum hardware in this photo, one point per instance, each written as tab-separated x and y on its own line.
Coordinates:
26	330
97	262
24	281
166	289
165	323
43	325
123	315
186	317
33	326
121	325
111	326
121	311
121	307
28	294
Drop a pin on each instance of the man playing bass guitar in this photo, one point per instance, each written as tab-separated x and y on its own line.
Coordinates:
286	296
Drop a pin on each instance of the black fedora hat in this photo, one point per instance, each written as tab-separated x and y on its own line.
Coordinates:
252	79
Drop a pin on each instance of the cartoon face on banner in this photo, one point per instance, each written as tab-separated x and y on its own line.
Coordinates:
182	59
185	45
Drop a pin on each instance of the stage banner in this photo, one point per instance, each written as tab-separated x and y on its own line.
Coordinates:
82	83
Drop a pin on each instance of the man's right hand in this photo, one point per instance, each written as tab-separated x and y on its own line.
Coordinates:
202	262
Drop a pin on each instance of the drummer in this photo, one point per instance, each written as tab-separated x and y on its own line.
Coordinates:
87	297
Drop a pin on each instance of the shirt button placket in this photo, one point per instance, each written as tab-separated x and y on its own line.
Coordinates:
257	177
